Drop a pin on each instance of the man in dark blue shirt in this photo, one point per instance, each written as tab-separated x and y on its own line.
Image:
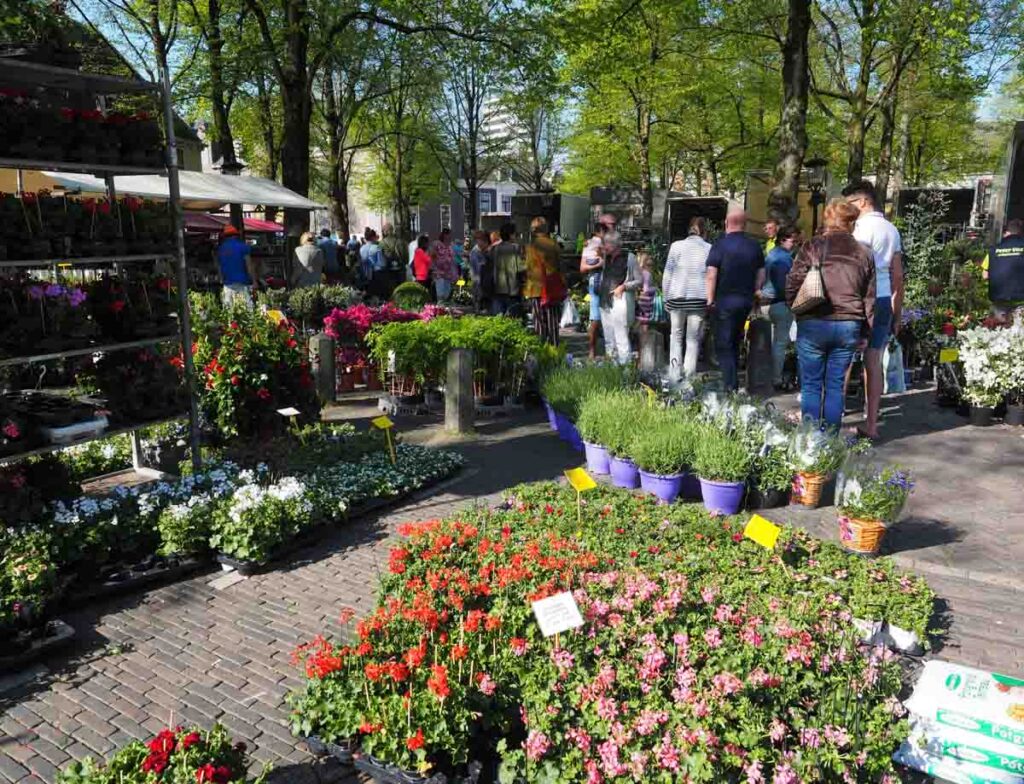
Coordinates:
1004	269
735	270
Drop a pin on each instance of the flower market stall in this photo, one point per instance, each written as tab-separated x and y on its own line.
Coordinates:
86	277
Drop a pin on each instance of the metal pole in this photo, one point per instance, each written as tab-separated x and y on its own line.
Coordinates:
178	222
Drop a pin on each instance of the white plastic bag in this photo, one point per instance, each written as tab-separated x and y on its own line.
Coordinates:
570	316
892	361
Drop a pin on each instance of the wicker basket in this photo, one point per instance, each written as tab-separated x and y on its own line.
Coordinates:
807	489
861	536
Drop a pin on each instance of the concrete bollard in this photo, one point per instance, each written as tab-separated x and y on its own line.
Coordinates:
459	403
321	361
759	357
652	351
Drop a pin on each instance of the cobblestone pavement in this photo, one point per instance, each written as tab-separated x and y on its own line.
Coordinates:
196	652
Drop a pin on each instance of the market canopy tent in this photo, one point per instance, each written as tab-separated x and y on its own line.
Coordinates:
203	222
199	190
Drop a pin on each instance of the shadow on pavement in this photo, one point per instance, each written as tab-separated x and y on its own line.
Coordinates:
919	533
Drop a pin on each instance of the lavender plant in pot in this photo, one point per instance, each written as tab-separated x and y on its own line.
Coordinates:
663	453
598	414
723	465
627	414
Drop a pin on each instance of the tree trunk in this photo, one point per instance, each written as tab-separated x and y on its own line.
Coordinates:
782	200
295	155
900	173
855	143
296	106
884	168
646	191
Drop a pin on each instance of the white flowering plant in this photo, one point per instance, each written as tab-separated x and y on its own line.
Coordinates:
259	518
988	357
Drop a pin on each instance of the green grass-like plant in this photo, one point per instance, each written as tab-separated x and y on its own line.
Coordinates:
719	458
665	446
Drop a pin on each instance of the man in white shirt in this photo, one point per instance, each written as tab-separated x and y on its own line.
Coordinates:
883	239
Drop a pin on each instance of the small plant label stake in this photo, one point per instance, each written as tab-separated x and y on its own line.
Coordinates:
949	355
581	481
290	413
385	424
556	614
762	531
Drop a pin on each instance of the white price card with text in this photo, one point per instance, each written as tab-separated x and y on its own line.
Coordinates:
557	613
288	412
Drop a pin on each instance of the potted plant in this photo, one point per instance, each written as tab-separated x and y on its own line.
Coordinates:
182	755
663	453
771	479
869	498
623	415
596	418
723	466
814	456
987	356
1013	370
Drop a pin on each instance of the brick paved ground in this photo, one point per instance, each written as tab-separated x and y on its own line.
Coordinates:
190	652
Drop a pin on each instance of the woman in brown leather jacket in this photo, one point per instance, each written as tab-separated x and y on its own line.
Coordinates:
828	336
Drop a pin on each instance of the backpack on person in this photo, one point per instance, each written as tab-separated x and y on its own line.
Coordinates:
811	294
553	289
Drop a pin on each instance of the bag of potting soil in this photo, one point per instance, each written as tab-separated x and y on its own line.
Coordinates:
986	706
913	754
948	743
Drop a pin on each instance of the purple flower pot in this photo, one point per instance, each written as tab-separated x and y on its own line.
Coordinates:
722	497
597	458
691	487
562	425
624	473
575	441
665	486
551	415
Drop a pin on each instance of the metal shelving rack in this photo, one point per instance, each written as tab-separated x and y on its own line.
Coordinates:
37	75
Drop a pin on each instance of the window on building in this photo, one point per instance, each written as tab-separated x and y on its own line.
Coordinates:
414	221
486	201
446	216
506	202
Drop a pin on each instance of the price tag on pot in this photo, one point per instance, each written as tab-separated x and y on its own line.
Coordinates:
288	412
580	480
762	531
949	355
382	423
557	613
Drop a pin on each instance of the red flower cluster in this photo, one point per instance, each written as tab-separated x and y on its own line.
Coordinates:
208	773
160	749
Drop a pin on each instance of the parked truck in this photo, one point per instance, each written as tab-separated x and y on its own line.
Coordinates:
566	215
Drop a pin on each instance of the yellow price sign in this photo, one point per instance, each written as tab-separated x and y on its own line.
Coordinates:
762	531
276	315
460	283
580	480
385	424
651	394
949	355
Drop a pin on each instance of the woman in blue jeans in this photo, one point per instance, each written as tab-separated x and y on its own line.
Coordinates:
829	335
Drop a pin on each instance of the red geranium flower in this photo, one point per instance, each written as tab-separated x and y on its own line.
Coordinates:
190	740
117	305
263	393
155	763
416	741
438	681
234	381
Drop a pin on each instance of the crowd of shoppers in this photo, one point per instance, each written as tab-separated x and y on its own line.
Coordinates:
705	287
